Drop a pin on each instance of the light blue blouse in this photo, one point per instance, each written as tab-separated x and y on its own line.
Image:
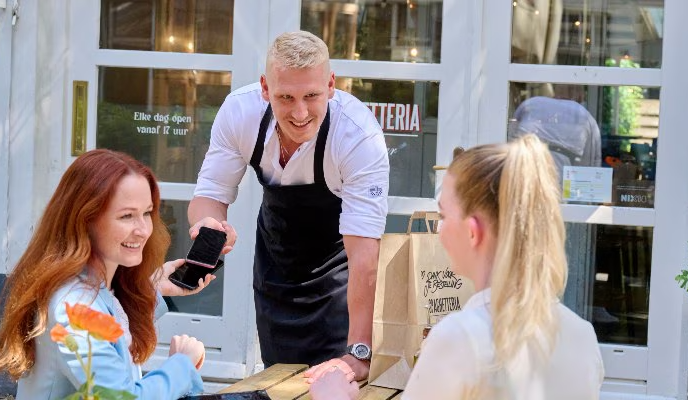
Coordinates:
57	372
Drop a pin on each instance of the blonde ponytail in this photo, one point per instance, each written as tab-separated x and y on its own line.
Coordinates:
516	186
529	271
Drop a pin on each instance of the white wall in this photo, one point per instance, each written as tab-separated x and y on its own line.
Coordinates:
22	131
5	79
32	130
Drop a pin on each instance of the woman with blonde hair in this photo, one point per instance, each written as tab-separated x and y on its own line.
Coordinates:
502	228
100	242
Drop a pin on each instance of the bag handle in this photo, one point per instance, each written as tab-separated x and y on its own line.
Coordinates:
432	219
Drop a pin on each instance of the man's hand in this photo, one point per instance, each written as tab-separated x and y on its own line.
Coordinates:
161	280
212	223
334	385
352	367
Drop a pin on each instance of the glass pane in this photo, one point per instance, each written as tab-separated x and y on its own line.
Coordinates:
609	279
380	30
407	112
160	117
587	32
399	224
209	301
184	26
613	129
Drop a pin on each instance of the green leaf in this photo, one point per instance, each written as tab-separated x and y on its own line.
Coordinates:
682	279
75	396
110	394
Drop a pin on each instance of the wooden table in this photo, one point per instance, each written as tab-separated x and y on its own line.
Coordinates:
286	382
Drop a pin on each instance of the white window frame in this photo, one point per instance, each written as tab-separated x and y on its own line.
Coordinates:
660	368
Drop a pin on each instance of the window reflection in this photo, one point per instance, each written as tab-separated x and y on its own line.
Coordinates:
160	117
586	32
186	26
609	127
609	279
209	301
380	30
407	113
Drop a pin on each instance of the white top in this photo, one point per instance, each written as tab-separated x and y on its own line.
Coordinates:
460	347
355	164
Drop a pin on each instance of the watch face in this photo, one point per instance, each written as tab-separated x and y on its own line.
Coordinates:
361	351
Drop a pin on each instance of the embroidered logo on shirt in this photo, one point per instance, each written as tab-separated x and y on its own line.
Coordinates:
375	191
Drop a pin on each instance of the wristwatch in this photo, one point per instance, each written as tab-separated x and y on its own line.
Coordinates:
360	351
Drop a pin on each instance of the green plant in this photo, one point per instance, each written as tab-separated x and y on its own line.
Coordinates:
682	279
621	105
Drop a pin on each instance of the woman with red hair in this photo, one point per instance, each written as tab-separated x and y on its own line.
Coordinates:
100	242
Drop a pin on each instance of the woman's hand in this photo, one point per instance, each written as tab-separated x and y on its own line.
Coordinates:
161	280
333	385
189	346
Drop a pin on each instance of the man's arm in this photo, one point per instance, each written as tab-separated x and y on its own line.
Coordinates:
204	211
201	207
363	254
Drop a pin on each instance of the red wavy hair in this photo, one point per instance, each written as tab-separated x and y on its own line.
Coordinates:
61	247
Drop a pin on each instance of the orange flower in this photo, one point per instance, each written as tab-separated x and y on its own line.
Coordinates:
101	326
58	333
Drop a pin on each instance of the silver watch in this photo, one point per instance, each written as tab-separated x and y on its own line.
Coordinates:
360	351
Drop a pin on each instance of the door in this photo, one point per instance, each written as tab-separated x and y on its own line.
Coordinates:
152	74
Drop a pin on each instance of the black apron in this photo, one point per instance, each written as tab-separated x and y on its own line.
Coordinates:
300	270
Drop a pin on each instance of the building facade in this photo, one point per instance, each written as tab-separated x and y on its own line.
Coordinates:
602	81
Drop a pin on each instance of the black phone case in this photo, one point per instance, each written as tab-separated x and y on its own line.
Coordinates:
192	273
206	249
207	246
255	395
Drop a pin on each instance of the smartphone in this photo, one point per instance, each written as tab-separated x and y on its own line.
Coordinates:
255	395
203	258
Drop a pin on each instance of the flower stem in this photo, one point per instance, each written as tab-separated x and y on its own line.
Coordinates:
89	377
81	361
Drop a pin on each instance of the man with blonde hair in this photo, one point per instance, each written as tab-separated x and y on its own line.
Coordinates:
320	155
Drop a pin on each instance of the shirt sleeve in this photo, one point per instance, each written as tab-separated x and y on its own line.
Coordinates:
175	378
448	366
365	184
160	306
223	166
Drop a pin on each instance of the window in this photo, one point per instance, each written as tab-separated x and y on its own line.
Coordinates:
161	117
166	25
407	113
590	33
610	127
379	30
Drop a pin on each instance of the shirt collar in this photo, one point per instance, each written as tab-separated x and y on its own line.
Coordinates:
479	299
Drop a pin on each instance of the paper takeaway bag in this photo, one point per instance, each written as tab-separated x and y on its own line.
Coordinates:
413	272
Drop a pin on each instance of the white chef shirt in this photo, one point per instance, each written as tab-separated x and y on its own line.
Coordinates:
460	349
356	165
